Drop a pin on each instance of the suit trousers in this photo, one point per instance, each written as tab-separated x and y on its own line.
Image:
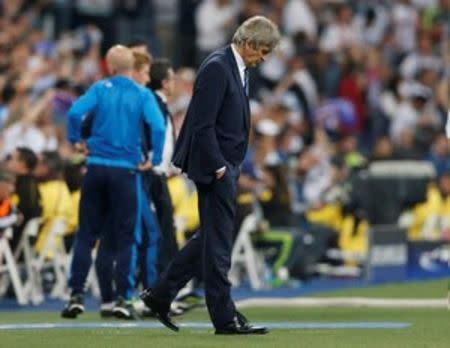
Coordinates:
209	250
159	193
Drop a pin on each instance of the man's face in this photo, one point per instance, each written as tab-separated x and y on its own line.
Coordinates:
253	56
169	83
15	164
142	76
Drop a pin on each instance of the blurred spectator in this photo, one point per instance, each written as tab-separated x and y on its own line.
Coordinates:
436	18
215	21
55	195
383	150
439	154
9	215
185	207
184	85
27	198
352	88
337	117
372	24
165	19
415	113
347	150
421	58
186	33
73	175
430	219
315	169
340	33
34	129
405	20
298	17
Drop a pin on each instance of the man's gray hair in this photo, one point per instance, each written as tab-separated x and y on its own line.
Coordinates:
257	31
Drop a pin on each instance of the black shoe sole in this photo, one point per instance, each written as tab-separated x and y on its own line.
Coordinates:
163	318
71	314
167	322
258	331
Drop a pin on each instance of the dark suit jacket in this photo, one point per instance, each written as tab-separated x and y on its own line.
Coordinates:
215	131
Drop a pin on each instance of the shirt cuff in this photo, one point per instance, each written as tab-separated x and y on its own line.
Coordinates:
221	169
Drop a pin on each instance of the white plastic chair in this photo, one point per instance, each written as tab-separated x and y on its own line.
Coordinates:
245	257
8	265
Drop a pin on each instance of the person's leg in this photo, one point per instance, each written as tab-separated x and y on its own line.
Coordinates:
142	260
284	240
160	196
152	236
92	211
217	211
104	265
180	270
124	190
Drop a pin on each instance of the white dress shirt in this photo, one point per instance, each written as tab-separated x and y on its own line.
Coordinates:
240	64
163	167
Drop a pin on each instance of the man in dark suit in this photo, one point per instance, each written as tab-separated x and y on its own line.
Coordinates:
211	146
162	82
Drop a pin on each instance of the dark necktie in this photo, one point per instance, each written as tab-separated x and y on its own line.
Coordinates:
246	82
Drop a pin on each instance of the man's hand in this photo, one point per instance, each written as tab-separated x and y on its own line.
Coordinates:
82	148
145	166
220	173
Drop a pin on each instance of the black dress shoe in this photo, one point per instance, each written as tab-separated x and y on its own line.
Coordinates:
241	326
159	310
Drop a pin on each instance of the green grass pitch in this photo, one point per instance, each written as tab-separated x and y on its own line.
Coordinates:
430	327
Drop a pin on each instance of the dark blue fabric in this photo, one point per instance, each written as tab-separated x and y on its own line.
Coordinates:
159	193
108	210
214	134
246	82
216	128
208	250
147	237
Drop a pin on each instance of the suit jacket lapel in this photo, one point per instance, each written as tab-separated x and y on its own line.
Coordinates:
237	77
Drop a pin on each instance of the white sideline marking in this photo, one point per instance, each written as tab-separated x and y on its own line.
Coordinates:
345	302
200	325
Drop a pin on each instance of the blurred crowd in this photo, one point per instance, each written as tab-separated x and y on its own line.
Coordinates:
352	82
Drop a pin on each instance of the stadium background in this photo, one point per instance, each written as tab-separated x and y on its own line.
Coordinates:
347	181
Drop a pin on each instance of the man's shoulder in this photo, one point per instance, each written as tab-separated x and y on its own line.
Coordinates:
218	58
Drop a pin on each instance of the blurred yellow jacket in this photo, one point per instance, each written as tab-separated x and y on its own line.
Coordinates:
72	226
329	215
185	206
432	215
56	203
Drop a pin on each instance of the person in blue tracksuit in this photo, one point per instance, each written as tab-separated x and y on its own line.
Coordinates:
148	230
112	185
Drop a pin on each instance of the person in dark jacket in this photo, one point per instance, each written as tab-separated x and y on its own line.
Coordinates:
22	163
210	148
